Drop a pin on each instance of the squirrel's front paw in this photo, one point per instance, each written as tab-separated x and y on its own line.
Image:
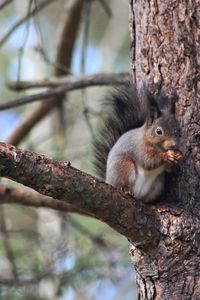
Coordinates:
173	156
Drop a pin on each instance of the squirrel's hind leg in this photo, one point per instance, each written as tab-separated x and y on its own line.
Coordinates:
121	173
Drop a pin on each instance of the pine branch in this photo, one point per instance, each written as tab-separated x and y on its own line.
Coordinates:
59	180
71	84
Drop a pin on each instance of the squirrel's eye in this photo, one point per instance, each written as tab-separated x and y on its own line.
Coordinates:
159	131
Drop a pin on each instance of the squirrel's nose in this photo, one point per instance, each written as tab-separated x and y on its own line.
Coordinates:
170	145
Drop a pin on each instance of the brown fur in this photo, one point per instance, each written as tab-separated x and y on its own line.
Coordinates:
126	166
137	153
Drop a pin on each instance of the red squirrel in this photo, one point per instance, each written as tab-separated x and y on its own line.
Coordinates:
138	143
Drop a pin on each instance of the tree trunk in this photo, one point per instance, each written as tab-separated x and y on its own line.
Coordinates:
165	52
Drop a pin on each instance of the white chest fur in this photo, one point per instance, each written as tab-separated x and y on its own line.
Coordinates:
145	181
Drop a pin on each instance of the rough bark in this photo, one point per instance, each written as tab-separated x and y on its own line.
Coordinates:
165	239
165	52
85	193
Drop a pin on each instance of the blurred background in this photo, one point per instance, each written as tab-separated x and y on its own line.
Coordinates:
46	254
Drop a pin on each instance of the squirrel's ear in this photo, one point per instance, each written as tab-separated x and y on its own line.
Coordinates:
153	109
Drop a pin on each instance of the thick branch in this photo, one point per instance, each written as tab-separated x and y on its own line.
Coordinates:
61	181
72	84
32	198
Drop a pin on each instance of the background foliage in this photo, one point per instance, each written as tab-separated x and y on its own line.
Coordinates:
46	254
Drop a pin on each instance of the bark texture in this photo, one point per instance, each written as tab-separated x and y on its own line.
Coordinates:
88	195
165	53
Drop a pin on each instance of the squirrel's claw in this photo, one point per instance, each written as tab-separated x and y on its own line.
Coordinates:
174	156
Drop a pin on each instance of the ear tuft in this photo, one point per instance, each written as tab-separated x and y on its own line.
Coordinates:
153	109
173	100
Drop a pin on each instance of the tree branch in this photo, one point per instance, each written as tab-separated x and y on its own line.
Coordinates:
62	63
59	180
106	7
6	242
4	3
30	197
89	80
24	19
70	84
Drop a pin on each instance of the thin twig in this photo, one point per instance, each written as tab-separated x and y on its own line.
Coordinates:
25	281
41	50
84	45
24	19
72	84
22	48
8	249
4	3
63	58
85	36
106	8
65	80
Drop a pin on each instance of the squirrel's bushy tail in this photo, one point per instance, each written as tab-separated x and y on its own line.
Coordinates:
124	113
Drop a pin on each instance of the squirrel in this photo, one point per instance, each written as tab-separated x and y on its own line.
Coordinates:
139	142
